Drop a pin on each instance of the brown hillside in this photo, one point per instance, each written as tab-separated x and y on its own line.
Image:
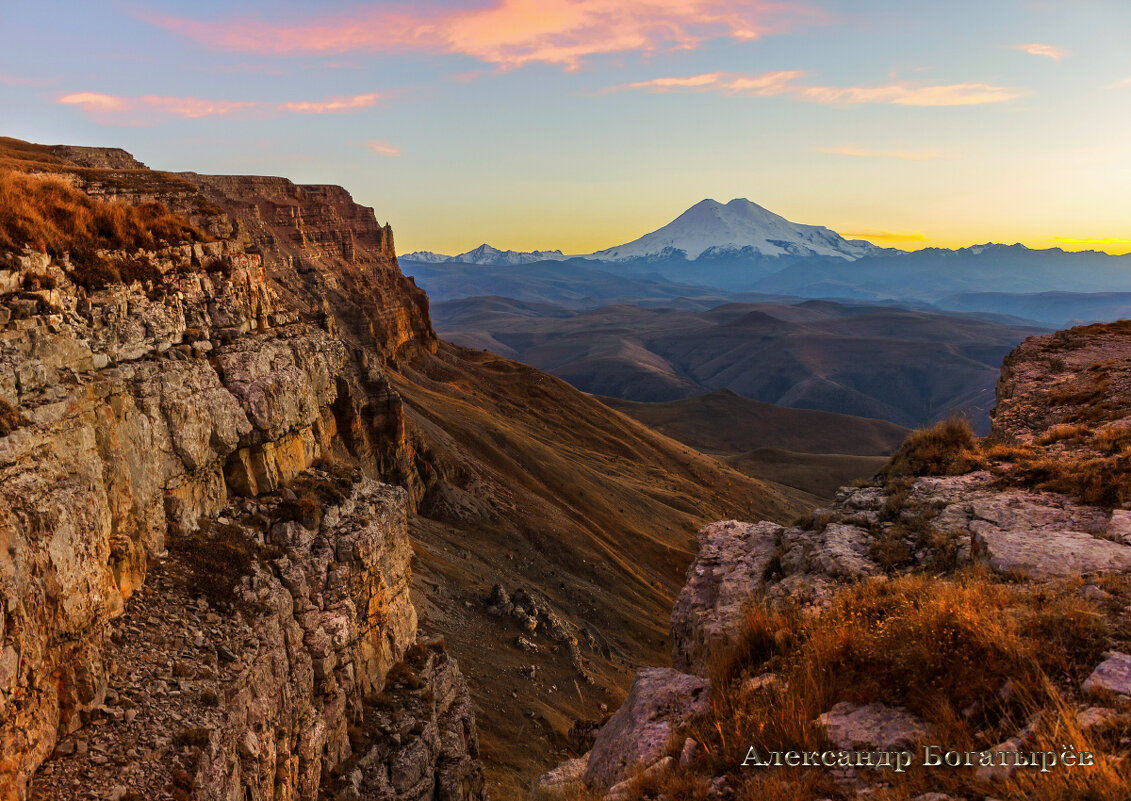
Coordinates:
542	487
723	422
910	367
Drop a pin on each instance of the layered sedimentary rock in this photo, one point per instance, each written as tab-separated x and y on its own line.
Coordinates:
136	417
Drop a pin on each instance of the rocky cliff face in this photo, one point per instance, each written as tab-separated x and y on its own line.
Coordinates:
510	477
192	607
770	616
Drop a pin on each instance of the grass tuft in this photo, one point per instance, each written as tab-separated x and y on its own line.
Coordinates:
948	448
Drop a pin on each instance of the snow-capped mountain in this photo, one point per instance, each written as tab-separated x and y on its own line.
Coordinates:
487	255
710	228
707	230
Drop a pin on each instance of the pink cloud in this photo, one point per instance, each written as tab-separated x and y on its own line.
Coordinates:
381	148
334	105
1045	50
191	107
863	152
507	33
150	109
766	83
16	80
93	101
785	82
905	94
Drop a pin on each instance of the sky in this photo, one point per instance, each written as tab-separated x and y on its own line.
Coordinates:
583	124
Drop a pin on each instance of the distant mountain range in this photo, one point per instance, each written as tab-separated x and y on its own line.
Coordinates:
740	247
708	229
733	296
486	255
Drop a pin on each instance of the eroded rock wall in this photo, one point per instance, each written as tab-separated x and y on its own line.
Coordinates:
138	410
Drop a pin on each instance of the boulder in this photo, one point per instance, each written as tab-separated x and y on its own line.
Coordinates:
565	781
872	726
1113	675
1098	718
842	553
728	569
1039	554
639	734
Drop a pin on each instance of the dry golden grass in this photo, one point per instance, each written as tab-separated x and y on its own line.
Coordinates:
948	448
1064	432
47	214
1101	481
941	648
1113	439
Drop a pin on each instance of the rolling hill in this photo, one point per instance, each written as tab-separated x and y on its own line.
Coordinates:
908	367
815	452
723	422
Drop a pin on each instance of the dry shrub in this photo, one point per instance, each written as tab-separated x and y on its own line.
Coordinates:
49	215
33	282
686	785
1113	439
218	558
1064	432
95	272
10	418
948	448
306	509
329	484
1101	481
997	453
766	633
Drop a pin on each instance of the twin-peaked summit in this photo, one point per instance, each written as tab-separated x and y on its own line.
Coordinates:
708	228
712	228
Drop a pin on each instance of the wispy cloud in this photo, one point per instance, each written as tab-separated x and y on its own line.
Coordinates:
16	80
150	109
1045	50
381	148
95	102
767	84
885	236
1124	82
334	105
507	33
868	153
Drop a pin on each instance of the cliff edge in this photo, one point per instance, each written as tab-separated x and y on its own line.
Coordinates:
205	593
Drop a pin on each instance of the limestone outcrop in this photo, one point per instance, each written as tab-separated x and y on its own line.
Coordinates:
191	605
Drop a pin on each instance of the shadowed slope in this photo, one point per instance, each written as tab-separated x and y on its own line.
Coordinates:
723	422
535	485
